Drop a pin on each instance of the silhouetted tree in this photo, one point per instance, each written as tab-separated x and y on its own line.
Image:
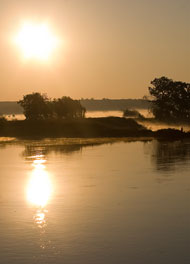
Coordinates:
35	106
171	99
66	107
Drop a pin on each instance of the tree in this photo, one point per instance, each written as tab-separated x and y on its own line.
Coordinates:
66	107
170	99
35	106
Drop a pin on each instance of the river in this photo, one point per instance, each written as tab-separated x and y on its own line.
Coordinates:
94	201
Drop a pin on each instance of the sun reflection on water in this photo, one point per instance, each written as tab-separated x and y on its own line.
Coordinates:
39	188
40	218
39	191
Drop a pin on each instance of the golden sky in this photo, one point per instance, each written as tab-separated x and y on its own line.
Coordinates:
107	48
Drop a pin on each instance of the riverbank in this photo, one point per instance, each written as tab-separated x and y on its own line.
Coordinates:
154	125
84	128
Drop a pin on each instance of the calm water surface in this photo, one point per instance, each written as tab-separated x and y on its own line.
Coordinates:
76	202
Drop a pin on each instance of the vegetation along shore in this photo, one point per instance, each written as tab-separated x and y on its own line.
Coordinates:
65	117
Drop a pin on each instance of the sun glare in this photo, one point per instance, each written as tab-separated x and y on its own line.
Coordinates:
36	41
39	187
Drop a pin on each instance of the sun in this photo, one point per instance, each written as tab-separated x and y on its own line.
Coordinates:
36	41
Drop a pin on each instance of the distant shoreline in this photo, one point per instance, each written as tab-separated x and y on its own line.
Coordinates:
12	108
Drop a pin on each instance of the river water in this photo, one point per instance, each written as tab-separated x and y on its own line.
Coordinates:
94	202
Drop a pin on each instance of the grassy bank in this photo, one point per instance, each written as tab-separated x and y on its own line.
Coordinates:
87	127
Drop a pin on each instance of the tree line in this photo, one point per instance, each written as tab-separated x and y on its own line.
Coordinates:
169	100
38	106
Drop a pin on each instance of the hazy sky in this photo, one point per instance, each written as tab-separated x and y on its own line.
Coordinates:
111	48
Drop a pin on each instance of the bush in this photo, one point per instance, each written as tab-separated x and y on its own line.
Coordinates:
132	113
3	121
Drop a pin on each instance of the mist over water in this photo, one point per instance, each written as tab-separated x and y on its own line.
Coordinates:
94	201
148	123
88	114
